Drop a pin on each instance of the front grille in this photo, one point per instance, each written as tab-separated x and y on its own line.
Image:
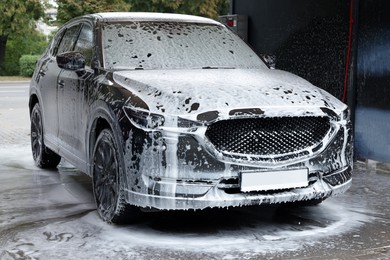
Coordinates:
267	136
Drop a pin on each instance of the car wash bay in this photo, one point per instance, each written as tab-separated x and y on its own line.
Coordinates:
51	214
341	46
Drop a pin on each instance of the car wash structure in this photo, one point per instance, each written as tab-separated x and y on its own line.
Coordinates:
341	46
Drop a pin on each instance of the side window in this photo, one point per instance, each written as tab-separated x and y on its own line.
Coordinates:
84	43
56	41
69	39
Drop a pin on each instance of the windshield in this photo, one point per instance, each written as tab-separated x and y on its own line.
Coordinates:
169	45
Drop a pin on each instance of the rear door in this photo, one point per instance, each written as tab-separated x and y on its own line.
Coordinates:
47	82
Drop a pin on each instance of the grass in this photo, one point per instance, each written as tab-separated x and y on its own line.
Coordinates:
14	78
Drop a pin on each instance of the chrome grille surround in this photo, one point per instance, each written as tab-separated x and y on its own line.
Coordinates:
268	136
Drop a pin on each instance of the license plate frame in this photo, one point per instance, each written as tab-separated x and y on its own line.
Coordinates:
273	180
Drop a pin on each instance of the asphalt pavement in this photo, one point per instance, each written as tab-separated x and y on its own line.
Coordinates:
51	214
14	117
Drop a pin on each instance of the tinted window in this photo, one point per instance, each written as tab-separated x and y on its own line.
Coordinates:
56	42
69	39
84	43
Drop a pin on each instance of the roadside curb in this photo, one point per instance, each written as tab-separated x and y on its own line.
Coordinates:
14	81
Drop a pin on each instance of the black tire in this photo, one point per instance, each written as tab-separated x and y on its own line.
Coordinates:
107	170
43	156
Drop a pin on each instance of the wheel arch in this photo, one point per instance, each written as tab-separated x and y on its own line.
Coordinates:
32	101
103	118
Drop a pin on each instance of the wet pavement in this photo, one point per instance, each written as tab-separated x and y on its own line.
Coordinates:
51	215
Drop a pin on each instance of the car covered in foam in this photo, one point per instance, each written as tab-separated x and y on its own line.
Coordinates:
174	112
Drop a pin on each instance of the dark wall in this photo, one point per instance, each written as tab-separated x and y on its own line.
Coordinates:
311	38
306	37
372	126
373	67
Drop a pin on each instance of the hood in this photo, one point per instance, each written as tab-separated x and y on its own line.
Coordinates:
192	92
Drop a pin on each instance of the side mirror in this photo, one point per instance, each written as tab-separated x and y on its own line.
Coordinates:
270	60
72	60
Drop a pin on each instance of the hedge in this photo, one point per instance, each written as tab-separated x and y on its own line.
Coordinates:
27	64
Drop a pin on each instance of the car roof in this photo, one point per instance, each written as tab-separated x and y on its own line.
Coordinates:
139	16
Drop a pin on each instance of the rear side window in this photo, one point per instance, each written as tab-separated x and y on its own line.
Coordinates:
69	39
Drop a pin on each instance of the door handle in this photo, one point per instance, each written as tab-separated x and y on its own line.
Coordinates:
61	83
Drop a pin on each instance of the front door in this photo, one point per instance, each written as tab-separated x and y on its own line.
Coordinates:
72	103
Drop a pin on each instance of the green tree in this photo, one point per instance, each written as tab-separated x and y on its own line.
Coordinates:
207	8
32	43
68	9
17	18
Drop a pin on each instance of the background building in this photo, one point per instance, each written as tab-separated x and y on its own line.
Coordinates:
51	12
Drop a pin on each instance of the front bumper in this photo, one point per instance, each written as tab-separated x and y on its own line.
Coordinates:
171	170
217	197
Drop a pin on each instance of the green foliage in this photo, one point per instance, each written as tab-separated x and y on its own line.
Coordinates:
68	9
17	21
27	64
31	44
207	8
18	16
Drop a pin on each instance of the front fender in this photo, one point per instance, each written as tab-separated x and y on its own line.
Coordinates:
102	116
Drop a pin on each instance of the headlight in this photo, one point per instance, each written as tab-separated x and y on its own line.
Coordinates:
336	115
345	115
143	119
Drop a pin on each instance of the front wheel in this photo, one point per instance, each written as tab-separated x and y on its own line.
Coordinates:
43	156
107	170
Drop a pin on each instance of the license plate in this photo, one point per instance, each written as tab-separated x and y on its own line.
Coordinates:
274	180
